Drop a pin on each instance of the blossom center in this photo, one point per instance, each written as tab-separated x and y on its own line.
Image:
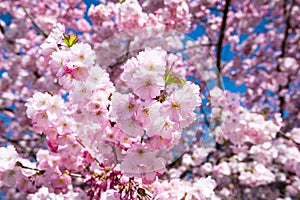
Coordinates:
81	57
151	67
146	111
148	83
175	105
130	107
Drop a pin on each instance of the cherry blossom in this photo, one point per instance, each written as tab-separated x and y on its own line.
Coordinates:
149	99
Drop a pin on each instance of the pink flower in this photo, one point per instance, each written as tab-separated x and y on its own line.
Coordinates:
130	127
60	58
256	175
217	97
153	60
157	142
64	125
55	107
39	101
59	181
99	80
79	73
26	185
82	55
233	99
222	168
129	69
83	25
160	125
144	111
81	91
181	104
145	73
123	106
54	38
10	173
141	162
206	168
8	177
110	195
147	85
295	134
203	188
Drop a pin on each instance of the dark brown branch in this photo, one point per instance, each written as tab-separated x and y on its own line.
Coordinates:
220	44
283	135
82	145
177	161
2	29
6	109
35	24
287	15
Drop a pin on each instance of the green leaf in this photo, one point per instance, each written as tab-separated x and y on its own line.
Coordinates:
70	40
167	74
175	80
122	1
172	79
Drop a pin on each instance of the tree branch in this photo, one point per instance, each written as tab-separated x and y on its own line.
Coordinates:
6	110
220	44
287	15
2	29
283	135
177	161
34	23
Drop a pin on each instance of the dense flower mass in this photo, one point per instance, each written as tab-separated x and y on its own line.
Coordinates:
108	127
150	99
238	124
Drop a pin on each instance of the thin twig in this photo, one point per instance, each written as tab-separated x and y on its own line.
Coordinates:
283	135
81	144
34	23
115	153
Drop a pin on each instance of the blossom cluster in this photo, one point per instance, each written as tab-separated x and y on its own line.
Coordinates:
85	125
107	183
11	172
202	188
130	14
237	124
96	124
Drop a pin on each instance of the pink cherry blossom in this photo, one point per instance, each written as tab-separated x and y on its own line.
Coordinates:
156	99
